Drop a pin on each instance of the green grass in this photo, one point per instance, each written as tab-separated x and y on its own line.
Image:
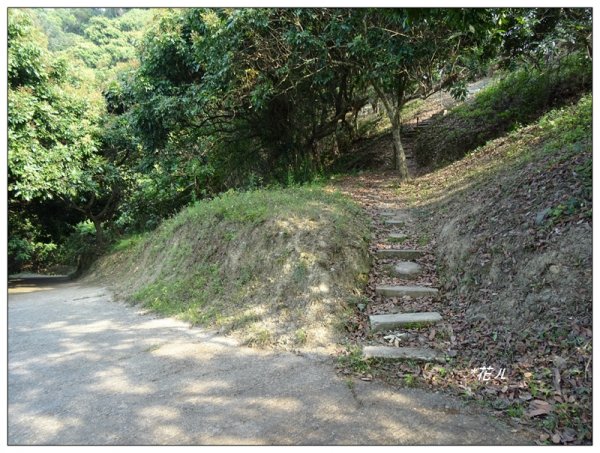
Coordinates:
411	109
354	360
251	262
515	411
520	98
423	240
409	380
127	242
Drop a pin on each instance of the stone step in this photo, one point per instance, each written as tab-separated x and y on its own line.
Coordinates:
391	353
406	320
395	221
396	237
411	291
407	254
406	269
391	213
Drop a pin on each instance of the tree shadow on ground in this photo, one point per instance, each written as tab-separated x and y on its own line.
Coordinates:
85	370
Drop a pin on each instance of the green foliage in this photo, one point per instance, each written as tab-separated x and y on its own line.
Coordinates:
101	31
125	116
63	152
51	140
27	61
245	89
519	98
537	35
26	246
51	130
79	242
568	125
94	38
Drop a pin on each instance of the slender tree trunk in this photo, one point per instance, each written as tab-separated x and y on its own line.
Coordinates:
399	155
393	112
100	239
355	124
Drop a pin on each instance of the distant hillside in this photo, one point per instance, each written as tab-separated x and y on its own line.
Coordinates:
516	99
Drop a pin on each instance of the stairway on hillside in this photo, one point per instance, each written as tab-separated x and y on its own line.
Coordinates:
443	102
399	324
409	133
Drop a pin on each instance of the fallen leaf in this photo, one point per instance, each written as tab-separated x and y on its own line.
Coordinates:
559	362
539	407
525	396
557	380
568	435
556	438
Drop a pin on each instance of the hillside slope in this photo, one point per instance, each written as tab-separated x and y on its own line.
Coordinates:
277	266
511	229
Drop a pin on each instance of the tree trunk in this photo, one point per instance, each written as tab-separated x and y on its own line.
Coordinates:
100	239
399	155
393	112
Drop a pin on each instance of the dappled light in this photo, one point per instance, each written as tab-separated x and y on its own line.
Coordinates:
322	288
299	226
137	379
257	264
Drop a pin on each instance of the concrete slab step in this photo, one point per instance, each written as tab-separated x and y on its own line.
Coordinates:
391	353
406	254
407	269
406	320
392	213
395	221
399	291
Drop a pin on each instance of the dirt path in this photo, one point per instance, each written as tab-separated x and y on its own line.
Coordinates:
84	369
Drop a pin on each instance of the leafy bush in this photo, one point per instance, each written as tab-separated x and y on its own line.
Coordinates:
39	255
517	99
81	242
27	249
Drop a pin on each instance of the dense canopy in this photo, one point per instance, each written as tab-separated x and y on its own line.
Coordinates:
120	117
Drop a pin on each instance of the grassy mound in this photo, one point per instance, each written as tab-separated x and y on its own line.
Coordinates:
517	99
513	225
277	267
